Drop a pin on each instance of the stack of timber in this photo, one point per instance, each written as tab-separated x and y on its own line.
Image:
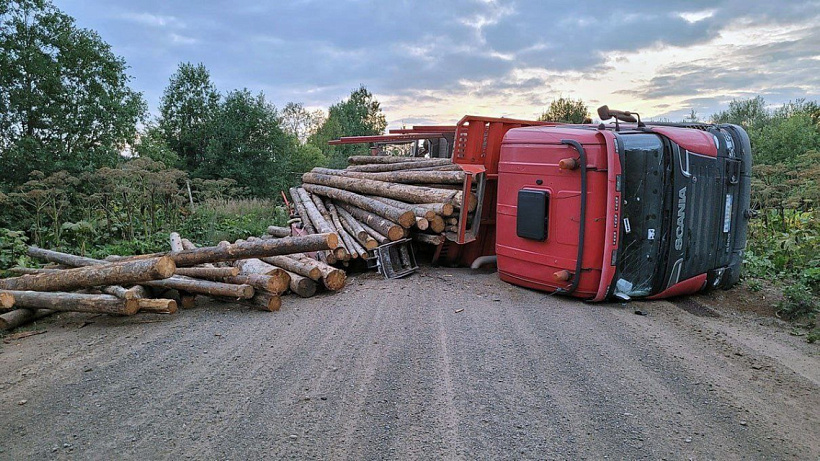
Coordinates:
161	283
381	199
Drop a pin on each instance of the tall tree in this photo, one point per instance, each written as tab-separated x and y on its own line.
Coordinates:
65	103
247	144
749	113
189	104
299	122
566	110
359	115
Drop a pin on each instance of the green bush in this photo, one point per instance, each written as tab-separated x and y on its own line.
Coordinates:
13	246
799	302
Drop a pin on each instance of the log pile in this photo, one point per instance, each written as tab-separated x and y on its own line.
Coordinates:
161	283
340	217
381	199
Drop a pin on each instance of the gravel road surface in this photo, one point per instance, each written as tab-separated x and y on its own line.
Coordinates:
397	370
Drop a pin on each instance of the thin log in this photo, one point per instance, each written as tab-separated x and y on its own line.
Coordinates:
355	229
307	225
341	252
277	283
404	218
441	209
157	306
348	239
377	236
256	249
176	242
20	317
420	212
302	286
429	239
383	226
375	167
295	266
403	192
277	231
402	176
75	302
122	292
130	272
422	223
319	221
384	159
61	258
209	273
205	287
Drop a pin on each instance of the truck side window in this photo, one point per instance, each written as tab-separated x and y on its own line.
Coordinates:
532	217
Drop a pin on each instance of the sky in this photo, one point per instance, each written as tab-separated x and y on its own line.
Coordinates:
435	61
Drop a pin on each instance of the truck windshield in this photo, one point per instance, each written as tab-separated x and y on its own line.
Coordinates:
642	210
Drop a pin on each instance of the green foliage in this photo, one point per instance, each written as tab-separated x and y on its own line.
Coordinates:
13	246
748	113
799	302
216	220
152	145
64	99
298	122
566	110
188	107
359	115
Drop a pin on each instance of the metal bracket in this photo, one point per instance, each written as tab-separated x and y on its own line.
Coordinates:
395	259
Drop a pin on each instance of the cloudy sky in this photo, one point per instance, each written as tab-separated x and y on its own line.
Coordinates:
434	61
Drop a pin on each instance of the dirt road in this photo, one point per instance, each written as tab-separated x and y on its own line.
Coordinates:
390	370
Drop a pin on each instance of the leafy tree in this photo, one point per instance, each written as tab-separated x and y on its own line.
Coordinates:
749	113
247	144
189	105
566	110
64	96
152	145
299	122
359	115
782	139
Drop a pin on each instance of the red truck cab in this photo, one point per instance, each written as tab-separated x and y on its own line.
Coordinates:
635	212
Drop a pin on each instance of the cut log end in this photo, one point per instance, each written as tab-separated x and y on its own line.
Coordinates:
6	300
187	301
165	267
158	306
332	240
335	280
395	233
407	219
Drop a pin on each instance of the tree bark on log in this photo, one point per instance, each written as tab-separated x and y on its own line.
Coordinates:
277	231
377	168
401	176
256	249
383	226
75	302
402	192
355	229
157	306
295	266
20	317
314	214
126	273
429	239
254	266
268	302
227	290
341	252
350	242
302	286
420	212
307	224
332	278
208	273
277	283
377	236
383	159
123	293
404	218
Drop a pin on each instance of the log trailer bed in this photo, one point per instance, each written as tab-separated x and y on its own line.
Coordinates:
597	211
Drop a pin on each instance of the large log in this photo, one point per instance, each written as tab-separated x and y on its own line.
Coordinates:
302	286
377	236
75	302
277	231
125	273
384	159
355	229
157	306
403	192
319	221
20	317
254	266
267	301
420	212
332	278
437	225
383	226
205	287
376	167
277	283
256	249
209	273
62	258
404	218
295	266
402	176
